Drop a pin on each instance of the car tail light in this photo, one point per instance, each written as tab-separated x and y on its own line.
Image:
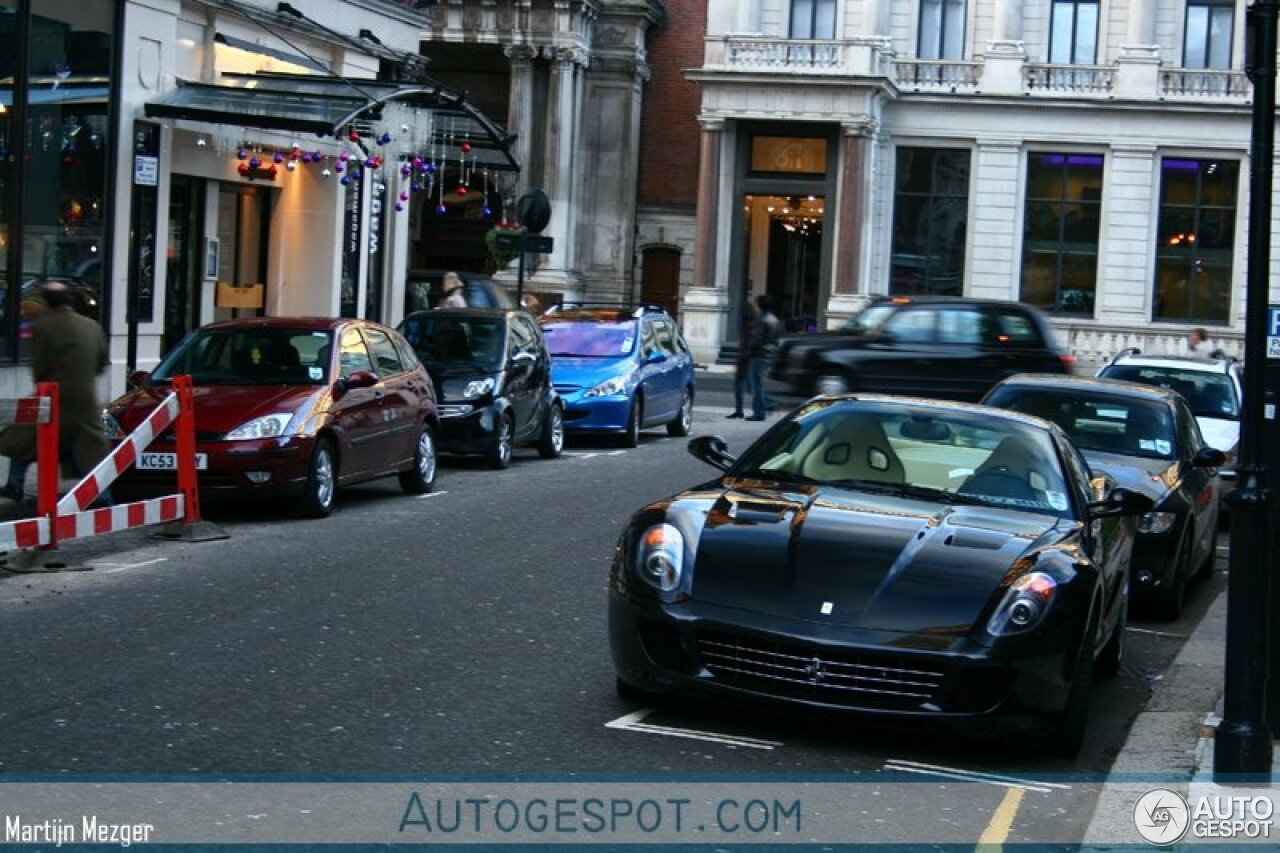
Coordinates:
1068	362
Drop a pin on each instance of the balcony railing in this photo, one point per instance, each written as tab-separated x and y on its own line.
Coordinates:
935	75
1096	80
771	54
1205	84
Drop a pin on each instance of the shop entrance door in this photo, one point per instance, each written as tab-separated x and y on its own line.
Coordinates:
244	229
784	256
184	273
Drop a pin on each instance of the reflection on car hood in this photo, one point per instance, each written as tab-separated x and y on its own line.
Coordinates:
841	558
1218	432
218	408
567	370
1150	477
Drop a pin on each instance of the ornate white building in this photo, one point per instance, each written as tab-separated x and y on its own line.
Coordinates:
1087	156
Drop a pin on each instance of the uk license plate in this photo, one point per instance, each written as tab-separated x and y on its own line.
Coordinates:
168	462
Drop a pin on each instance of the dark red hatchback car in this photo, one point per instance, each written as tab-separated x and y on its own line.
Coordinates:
290	406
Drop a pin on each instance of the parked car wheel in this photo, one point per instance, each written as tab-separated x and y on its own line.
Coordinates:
1171	601
420	478
1065	733
500	455
630	436
322	481
551	444
683	420
831	382
1205	571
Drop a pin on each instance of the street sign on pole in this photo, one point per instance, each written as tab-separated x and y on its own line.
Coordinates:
1273	331
521	242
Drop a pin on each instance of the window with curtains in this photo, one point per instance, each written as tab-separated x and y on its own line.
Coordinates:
1073	32
1060	231
1207	41
941	29
813	19
930	221
1195	238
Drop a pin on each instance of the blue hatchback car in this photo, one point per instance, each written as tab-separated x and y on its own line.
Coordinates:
620	370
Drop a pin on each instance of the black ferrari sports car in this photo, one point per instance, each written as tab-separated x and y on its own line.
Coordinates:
886	556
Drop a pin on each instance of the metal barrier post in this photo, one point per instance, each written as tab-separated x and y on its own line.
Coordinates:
48	468
185	427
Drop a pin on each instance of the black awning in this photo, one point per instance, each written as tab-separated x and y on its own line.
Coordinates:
302	103
264	50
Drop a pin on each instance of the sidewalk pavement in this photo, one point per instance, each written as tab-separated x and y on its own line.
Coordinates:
1170	744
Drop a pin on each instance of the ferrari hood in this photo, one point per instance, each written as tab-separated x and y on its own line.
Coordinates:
838	557
1150	477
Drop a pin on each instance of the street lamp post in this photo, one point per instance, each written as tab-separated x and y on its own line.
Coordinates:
1242	744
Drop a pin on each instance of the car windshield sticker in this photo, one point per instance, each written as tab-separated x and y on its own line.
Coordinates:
315	373
255	355
1057	500
321	335
626	344
1158	445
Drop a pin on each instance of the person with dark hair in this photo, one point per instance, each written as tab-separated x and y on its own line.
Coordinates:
1198	343
764	346
742	365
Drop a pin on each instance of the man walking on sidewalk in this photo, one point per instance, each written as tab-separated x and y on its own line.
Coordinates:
764	346
742	365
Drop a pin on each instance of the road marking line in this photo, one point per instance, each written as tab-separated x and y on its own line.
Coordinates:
615	453
974	775
1156	633
115	567
1001	825
431	495
633	723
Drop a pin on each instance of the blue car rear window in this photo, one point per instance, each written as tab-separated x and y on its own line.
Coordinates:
590	340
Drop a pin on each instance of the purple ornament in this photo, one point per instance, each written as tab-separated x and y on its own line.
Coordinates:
404	196
306	156
431	167
343	156
254	163
242	154
441	210
415	187
370	163
338	167
406	170
488	211
317	156
399	206
277	157
417	161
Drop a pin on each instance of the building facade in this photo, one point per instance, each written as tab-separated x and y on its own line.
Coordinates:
568	76
1085	156
184	161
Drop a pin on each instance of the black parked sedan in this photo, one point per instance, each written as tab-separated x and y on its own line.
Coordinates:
886	556
934	346
493	381
1145	438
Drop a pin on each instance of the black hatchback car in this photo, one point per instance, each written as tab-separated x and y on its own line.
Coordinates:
929	346
493	381
1146	439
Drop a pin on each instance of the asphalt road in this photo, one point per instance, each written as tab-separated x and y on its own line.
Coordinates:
460	632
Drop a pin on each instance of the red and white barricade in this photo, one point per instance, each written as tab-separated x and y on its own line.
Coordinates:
71	517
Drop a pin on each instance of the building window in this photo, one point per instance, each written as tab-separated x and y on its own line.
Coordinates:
1208	35
941	29
1195	240
813	19
1073	37
930	218
787	155
1060	231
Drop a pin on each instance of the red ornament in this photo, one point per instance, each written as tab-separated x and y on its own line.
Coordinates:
273	171
353	136
243	168
69	159
466	148
462	190
377	162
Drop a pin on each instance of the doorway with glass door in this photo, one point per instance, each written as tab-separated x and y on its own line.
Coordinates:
784	241
184	270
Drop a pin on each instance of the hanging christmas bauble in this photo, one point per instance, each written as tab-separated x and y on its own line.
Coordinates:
273	171
317	156
417	161
404	195
431	167
68	159
343	156
406	170
242	154
466	148
243	168
462	190
384	139
441	210
377	162
353	136
292	165
254	162
339	166
399	207
277	157
324	173
487	212
346	181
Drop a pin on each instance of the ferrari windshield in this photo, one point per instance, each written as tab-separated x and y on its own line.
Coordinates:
924	452
253	355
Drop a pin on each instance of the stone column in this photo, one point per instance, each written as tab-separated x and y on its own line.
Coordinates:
1138	66
705	305
1006	53
558	179
849	287
520	104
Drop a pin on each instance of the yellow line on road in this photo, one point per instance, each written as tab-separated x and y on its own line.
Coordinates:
1001	824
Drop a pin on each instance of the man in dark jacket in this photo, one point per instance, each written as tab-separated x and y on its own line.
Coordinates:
764	346
742	365
70	349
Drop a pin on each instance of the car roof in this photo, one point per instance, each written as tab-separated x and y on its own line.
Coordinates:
952	406
940	299
316	323
590	315
1111	387
493	313
1182	362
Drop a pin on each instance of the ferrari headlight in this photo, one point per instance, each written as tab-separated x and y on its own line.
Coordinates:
1156	522
660	560
268	426
111	427
478	388
609	387
1024	604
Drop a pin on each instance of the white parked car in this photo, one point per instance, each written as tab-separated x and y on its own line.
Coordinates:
1212	386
